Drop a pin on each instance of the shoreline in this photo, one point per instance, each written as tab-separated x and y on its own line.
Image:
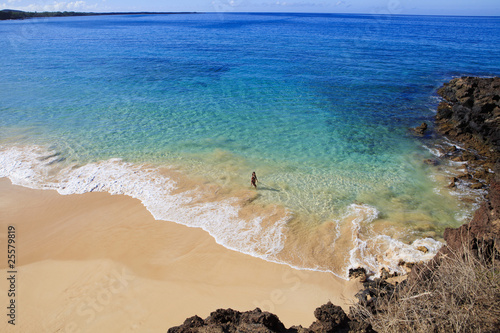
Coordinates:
235	216
97	262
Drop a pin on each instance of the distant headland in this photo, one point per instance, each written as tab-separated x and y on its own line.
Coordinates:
11	14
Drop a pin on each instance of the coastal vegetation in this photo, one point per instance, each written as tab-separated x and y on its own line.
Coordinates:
460	294
10	14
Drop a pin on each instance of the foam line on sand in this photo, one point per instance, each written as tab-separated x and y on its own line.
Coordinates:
95	262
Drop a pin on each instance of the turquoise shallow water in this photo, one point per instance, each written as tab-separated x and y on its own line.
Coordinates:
318	105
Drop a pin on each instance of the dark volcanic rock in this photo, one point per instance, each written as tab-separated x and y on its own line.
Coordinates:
359	272
330	318
193	322
482	232
471	113
420	130
373	290
266	319
481	236
229	320
223	317
432	162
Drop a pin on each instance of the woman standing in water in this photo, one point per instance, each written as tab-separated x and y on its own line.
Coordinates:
254	180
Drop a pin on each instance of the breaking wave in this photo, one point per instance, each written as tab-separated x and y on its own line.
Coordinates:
264	232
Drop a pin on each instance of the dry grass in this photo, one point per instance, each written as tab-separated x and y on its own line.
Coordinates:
462	294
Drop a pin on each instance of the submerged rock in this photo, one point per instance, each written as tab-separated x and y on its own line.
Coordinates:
423	249
420	130
432	162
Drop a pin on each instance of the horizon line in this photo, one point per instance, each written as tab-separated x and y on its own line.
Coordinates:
242	12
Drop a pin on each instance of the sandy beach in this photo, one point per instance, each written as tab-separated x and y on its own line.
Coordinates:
101	263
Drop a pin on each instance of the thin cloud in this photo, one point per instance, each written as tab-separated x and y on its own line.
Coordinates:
294	4
55	6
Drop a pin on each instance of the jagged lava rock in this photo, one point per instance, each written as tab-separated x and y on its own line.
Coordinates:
483	231
420	130
471	112
330	318
229	320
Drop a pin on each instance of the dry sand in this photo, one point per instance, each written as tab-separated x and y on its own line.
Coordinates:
101	263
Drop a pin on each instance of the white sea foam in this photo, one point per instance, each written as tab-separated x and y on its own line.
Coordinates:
433	151
359	214
434	101
35	167
21	166
397	251
32	167
381	251
450	143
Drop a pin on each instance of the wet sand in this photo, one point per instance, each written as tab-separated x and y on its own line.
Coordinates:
101	263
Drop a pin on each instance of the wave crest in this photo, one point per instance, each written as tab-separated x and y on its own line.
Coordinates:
160	193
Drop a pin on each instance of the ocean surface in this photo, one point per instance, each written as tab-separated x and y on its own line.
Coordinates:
178	110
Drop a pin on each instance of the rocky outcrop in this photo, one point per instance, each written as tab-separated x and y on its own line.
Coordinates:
482	234
480	237
229	320
358	273
470	114
332	319
420	130
329	319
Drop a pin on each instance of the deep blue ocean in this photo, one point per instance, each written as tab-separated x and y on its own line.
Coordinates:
178	110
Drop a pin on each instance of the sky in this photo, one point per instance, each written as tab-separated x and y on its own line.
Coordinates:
405	7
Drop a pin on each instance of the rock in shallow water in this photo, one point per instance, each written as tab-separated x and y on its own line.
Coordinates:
420	130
